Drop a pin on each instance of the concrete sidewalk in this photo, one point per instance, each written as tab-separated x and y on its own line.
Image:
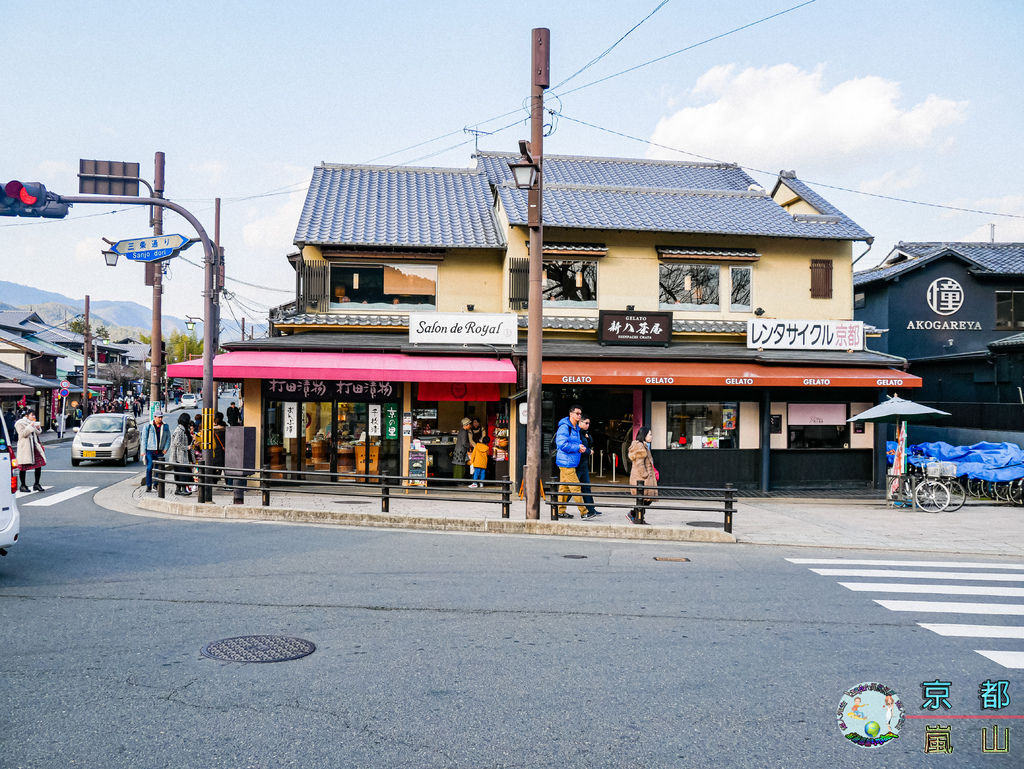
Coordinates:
867	524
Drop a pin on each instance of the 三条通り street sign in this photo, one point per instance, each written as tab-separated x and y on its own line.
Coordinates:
150	249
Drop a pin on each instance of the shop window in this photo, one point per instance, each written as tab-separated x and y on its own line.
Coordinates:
383	287
1009	309
739	278
859	301
818	426
821	278
702	425
570	283
688	286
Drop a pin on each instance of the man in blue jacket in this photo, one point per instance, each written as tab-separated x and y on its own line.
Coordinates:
569	448
156	439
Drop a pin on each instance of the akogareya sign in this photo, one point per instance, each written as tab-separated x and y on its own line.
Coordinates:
463	328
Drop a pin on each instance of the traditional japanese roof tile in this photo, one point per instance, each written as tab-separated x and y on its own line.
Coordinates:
11	373
398	206
984	258
709	254
662	196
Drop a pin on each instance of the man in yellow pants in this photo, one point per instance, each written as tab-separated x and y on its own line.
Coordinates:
569	448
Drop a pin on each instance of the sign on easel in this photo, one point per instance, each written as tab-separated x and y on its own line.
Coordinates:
418	467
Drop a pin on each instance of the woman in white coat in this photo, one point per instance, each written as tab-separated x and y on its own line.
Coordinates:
30	453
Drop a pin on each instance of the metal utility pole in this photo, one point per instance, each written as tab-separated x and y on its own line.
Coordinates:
539	80
154	275
86	334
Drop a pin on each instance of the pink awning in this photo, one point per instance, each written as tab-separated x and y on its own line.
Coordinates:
357	366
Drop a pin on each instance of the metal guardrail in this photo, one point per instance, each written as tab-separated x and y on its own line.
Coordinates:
667	498
323	483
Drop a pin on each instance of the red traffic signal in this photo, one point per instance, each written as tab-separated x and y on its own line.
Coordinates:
30	199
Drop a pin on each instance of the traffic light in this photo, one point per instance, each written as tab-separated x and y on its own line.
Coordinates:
30	199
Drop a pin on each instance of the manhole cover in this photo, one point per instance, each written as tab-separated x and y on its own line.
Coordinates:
709	524
574	556
258	648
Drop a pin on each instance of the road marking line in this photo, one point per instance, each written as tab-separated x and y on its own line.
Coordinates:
1012	660
97	470
975	631
899	587
63	496
918	564
953	607
980	576
20	494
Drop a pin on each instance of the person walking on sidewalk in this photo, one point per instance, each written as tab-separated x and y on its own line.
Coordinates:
180	455
156	439
583	471
569	448
30	454
643	475
478	460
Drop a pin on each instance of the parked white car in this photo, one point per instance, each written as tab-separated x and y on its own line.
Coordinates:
190	401
10	518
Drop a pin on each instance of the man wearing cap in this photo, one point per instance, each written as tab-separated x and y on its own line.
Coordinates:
463	444
156	439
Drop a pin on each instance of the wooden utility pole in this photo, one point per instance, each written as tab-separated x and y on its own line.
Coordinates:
154	276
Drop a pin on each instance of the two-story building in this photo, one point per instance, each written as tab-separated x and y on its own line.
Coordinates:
652	271
948	308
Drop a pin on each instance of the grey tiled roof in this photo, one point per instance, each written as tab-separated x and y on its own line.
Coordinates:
25	342
342	319
17	318
11	373
398	206
621	194
701	252
990	258
1015	340
622	172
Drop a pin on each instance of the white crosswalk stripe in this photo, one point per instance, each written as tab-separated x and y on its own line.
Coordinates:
63	496
946	579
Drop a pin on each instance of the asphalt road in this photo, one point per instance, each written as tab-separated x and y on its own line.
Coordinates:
453	650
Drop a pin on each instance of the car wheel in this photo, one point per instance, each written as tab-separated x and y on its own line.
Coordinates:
76	462
124	458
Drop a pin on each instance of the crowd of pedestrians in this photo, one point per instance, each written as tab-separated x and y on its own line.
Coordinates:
181	449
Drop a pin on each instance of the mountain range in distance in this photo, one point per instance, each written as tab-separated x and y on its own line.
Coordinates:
121	318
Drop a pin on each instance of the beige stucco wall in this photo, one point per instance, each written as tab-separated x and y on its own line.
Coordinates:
781	279
750	425
471	277
14	358
865	440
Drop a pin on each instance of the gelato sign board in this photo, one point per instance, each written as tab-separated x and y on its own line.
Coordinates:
463	328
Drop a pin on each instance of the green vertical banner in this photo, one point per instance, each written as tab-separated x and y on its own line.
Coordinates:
391	421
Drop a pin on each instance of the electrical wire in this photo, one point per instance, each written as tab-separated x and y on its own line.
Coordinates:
69	218
610	48
188	261
690	47
806	181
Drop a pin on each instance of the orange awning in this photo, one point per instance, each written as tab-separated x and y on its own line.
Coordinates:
706	373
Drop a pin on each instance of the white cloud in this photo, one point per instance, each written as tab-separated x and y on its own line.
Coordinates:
785	116
892	182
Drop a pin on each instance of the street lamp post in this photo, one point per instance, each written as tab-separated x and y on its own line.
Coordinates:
529	174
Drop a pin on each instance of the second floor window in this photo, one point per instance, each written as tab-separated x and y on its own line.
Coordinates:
821	278
739	301
1009	309
383	287
688	286
570	283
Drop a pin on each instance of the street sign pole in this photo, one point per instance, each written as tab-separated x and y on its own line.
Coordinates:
209	263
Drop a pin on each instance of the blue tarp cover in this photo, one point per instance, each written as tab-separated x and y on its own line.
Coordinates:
986	461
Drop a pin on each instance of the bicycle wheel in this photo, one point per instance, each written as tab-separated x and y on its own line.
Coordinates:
957	495
1017	491
975	487
1001	491
932	497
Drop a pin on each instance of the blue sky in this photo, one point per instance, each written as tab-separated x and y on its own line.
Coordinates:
918	100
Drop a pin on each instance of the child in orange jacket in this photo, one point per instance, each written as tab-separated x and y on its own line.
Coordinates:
478	461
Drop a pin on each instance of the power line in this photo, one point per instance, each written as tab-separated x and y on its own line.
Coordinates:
806	181
689	47
610	48
188	261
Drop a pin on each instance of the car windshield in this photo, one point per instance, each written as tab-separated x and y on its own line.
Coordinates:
102	424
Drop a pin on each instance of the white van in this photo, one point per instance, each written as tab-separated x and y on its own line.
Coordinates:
10	518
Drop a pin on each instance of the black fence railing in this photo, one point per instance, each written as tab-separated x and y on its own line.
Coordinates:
201	481
623	496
